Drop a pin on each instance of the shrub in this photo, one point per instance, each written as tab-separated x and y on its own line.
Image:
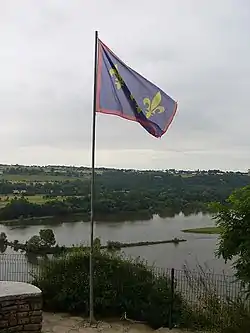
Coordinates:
220	313
120	285
111	245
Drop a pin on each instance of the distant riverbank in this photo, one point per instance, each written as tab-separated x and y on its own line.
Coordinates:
83	217
45	219
77	217
107	204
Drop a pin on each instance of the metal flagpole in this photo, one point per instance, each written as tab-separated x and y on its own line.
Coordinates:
91	275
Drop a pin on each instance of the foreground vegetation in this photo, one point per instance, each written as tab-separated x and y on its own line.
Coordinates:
120	286
127	286
233	219
215	305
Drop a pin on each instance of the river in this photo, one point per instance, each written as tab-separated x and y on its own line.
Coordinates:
199	249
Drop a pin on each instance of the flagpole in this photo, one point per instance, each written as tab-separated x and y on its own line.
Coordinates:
91	271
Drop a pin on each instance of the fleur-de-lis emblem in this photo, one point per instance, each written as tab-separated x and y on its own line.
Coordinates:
118	79
153	106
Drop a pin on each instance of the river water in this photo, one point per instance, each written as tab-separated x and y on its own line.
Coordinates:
199	249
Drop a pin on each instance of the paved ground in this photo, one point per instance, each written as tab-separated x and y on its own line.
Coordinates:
62	323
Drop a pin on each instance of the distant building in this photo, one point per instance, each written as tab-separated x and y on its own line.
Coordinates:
19	192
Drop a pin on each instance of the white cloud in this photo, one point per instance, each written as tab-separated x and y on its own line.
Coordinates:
197	51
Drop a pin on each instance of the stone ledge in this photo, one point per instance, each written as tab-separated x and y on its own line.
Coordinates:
18	290
20	307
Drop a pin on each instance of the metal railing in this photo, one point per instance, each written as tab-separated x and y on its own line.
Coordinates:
18	267
200	289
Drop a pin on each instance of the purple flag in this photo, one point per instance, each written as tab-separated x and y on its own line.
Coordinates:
123	92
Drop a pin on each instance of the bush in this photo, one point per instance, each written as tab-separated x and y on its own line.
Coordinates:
120	285
111	245
220	313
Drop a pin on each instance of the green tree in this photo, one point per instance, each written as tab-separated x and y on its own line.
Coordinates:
233	219
97	243
16	245
47	237
3	242
33	244
42	242
3	236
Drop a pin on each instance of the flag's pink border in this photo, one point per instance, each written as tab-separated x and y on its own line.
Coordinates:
116	112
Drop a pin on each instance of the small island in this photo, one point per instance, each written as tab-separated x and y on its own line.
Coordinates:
204	230
45	243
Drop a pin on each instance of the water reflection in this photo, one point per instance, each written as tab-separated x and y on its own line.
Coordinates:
121	217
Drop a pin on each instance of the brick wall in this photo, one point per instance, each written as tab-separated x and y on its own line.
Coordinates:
20	313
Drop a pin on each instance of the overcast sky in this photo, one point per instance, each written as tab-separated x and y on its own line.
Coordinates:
197	51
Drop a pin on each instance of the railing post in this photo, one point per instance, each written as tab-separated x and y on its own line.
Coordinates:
171	299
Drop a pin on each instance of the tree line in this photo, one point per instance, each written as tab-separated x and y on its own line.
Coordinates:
218	186
118	191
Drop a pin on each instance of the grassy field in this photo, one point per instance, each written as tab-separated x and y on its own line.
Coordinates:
205	230
40	178
34	199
